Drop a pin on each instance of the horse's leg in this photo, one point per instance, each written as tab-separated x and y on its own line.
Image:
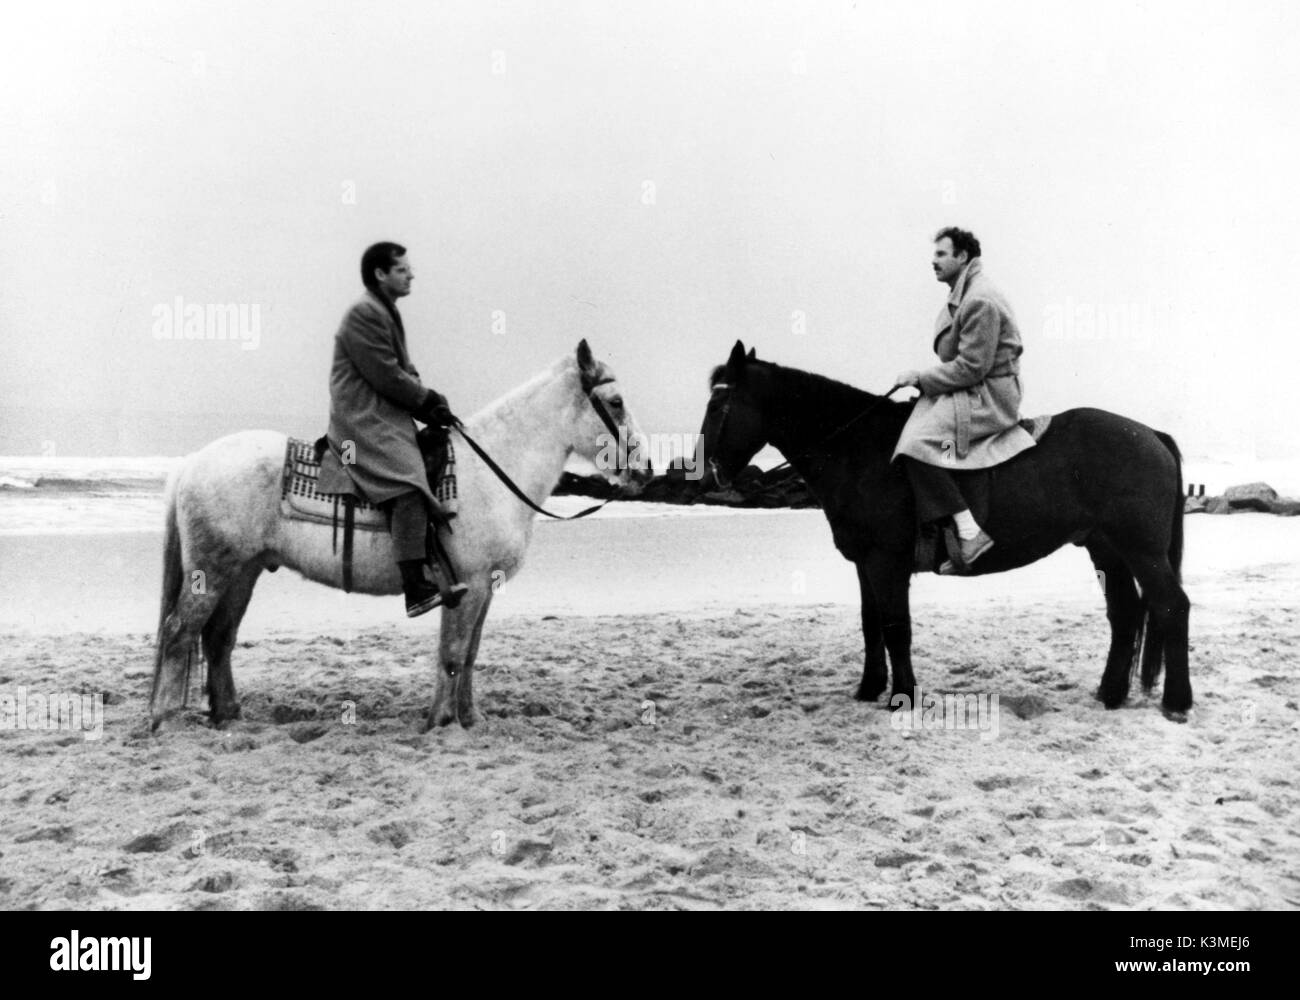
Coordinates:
1124	610
1169	609
453	648
176	648
211	572
219	639
1153	648
890	577
875	672
465	689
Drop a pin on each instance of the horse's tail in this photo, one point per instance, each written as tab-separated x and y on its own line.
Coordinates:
1151	639
1176	541
172	569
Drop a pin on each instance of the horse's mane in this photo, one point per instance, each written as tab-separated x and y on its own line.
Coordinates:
507	401
835	395
825	405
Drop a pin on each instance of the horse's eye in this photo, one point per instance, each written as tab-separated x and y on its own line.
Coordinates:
616	402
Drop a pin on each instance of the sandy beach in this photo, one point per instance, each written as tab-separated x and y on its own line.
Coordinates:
666	722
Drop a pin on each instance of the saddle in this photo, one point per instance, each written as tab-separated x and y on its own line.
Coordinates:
301	500
976	488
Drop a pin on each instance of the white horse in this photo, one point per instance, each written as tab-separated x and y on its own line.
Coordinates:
224	522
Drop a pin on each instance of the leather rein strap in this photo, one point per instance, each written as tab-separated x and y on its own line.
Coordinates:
590	388
349	527
726	412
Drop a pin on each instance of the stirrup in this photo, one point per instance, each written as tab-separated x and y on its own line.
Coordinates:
452	595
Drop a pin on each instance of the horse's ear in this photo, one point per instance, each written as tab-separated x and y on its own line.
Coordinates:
752	355
736	363
586	363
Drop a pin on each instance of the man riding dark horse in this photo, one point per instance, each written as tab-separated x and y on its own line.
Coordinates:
967	416
375	392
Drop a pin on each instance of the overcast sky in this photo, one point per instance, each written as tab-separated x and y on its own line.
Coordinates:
660	178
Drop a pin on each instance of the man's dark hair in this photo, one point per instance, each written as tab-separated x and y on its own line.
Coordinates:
962	239
382	256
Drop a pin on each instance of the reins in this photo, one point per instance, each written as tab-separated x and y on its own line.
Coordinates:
589	387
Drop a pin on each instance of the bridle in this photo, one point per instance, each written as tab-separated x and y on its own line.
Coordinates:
726	411
589	386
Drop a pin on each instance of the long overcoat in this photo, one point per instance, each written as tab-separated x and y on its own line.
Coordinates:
967	416
374	389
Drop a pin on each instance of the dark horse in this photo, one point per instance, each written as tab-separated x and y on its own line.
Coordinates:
1096	479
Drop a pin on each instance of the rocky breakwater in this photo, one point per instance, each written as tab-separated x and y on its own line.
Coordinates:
751	488
1247	497
783	487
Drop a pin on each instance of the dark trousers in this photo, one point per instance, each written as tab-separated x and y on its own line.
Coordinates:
408	520
936	492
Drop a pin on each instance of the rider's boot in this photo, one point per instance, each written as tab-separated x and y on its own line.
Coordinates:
421	594
964	551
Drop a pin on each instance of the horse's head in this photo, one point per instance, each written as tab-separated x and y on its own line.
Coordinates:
606	432
733	424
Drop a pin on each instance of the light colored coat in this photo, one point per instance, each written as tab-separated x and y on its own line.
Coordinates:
967	416
374	388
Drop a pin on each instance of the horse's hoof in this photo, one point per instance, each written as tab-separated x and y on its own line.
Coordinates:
224	718
167	720
1112	701
1174	716
441	723
868	693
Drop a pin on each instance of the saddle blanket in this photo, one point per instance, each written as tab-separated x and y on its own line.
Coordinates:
300	500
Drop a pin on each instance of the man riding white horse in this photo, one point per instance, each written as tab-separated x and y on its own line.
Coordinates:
968	414
375	392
